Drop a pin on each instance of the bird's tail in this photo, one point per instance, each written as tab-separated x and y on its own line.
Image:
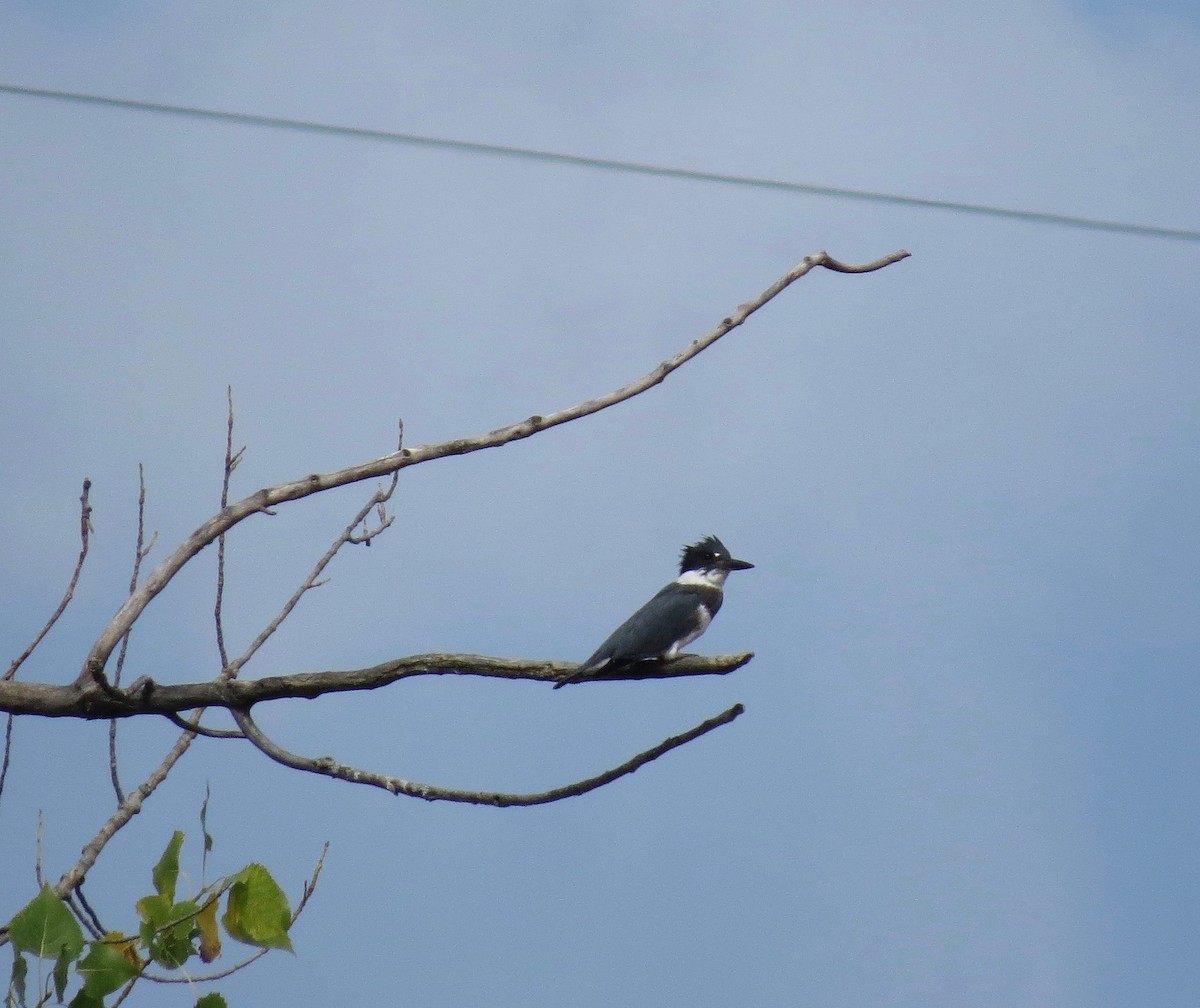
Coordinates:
584	670
575	676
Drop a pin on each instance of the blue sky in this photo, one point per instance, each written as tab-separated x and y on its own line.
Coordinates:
966	774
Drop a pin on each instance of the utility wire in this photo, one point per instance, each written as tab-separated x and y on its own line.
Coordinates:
578	160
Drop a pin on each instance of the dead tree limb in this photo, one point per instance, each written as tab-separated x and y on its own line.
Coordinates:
268	497
149	697
329	767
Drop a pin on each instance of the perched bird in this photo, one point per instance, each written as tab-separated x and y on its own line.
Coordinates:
674	618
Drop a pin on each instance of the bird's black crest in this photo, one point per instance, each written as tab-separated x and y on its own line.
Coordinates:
702	554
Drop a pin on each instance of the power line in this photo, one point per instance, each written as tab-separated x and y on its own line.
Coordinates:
606	164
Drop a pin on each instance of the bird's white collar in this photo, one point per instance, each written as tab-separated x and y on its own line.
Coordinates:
713	577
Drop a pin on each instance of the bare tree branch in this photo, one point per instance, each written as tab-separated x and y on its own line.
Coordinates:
87	907
4	760
88	924
148	697
266	498
125	991
231	462
37	848
329	767
85	528
140	550
130	807
194	726
131	803
377	503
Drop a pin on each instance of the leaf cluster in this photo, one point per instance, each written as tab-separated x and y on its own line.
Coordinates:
172	932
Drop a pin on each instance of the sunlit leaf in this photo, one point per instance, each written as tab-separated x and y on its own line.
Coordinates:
166	872
212	1000
104	969
155	912
257	910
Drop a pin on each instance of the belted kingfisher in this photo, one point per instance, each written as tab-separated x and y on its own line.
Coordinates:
675	617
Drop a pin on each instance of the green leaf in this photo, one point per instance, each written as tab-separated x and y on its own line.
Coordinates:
208	840
61	972
172	946
16	982
167	929
166	872
105	969
212	1000
257	910
155	912
146	934
46	928
85	1000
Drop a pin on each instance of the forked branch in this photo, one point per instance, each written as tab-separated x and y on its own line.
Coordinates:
268	497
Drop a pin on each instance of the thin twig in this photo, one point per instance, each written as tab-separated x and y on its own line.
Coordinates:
125	811
130	807
199	729
329	767
85	528
37	850
126	990
268	497
377	502
83	902
230	462
4	760
133	801
82	916
139	554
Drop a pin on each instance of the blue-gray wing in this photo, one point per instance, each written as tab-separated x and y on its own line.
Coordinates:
674	614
